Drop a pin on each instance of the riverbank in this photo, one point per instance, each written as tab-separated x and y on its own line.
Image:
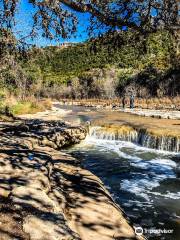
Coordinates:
156	108
46	194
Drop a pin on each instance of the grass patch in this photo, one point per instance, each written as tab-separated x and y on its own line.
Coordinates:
30	107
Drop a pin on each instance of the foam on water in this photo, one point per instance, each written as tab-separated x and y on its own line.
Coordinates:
168	195
116	145
154	171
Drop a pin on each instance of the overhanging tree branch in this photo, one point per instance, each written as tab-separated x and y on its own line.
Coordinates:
58	18
104	18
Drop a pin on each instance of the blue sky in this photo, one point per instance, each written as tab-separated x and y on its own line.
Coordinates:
24	24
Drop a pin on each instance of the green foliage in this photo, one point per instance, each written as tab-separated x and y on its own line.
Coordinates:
123	50
25	108
80	70
2	98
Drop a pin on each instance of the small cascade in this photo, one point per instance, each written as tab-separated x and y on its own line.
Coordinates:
140	136
122	134
165	143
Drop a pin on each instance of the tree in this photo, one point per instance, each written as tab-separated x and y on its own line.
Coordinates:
58	18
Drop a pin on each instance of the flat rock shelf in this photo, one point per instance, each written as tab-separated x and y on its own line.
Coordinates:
46	194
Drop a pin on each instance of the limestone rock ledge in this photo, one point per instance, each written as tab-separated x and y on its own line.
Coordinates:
55	134
46	195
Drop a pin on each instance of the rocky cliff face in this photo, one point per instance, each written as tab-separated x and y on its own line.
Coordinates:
46	195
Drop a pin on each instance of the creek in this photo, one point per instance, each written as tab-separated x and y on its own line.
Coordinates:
145	182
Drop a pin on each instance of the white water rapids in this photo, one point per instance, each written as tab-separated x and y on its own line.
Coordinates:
166	143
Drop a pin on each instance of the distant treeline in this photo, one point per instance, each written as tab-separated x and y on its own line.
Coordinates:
109	66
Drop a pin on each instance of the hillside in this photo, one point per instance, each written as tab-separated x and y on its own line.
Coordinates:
124	61
105	67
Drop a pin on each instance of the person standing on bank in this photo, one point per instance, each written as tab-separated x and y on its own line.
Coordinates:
124	102
131	101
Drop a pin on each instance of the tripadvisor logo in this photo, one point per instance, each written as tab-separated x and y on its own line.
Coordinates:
138	231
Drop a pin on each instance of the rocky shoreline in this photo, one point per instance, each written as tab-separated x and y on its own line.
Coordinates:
46	194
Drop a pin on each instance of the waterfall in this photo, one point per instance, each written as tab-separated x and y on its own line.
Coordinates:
138	136
113	134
